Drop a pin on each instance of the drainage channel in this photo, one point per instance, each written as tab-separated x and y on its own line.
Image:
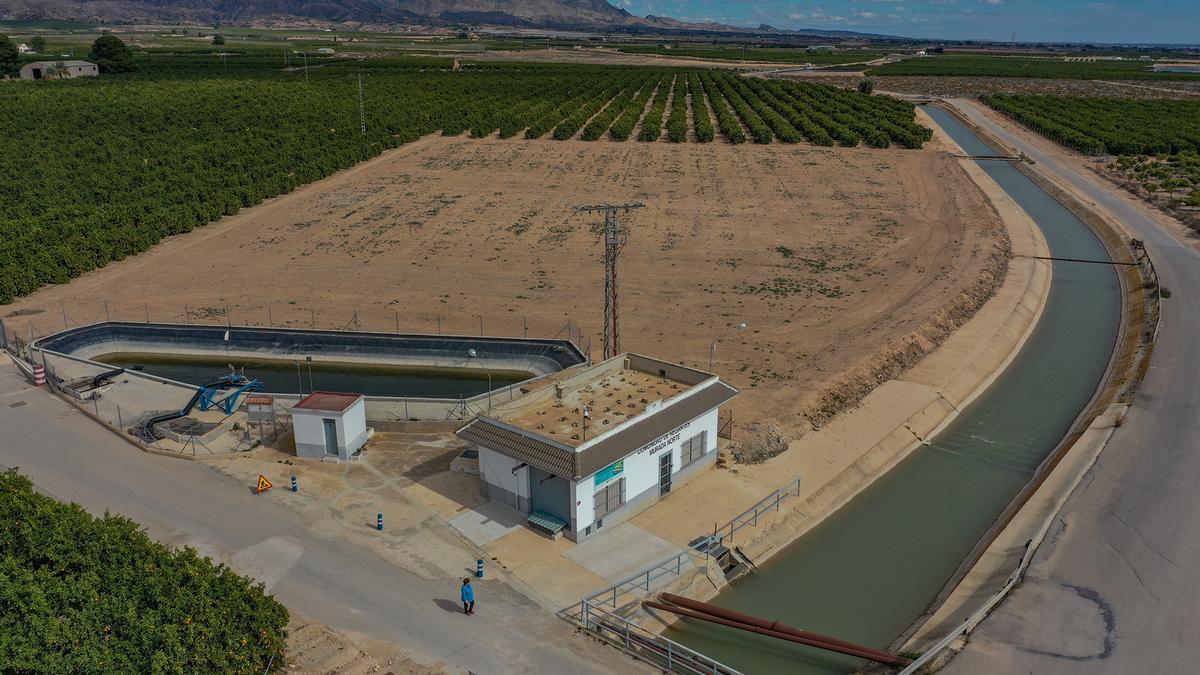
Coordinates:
870	569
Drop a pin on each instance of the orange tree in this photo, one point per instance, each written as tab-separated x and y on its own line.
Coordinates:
85	594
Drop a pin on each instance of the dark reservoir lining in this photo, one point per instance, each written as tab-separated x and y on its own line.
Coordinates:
869	570
283	377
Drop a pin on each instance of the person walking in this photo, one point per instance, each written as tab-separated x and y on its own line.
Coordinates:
468	596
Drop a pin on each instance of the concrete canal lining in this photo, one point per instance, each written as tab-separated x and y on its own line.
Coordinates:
867	571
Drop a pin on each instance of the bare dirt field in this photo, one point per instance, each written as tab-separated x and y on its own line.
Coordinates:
317	648
840	260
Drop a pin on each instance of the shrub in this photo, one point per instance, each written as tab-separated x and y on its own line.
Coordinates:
85	594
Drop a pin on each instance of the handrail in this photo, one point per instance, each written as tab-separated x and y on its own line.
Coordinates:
647	645
749	516
642	579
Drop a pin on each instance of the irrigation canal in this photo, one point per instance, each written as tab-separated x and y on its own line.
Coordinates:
286	377
870	569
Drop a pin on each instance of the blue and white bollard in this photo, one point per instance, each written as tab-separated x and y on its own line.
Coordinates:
379	522
479	568
295	488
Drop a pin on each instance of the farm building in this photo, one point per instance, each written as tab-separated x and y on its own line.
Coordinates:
595	448
42	70
329	424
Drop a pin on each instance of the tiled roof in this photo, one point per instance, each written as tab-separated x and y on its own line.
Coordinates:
328	401
260	400
561	460
544	454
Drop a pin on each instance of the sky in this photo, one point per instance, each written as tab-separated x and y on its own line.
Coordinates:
1120	21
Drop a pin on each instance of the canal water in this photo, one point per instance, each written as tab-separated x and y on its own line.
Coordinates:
870	569
285	377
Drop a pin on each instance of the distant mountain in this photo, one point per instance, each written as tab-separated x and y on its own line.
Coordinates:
561	14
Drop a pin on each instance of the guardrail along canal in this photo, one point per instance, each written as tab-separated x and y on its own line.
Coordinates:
870	569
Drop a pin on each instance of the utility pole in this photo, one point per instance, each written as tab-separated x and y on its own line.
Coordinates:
362	115
615	239
305	67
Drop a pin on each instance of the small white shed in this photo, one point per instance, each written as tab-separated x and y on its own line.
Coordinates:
330	424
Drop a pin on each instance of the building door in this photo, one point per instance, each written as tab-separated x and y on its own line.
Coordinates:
331	447
550	494
664	473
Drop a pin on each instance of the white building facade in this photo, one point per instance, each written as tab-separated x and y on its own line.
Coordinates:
329	424
67	69
583	485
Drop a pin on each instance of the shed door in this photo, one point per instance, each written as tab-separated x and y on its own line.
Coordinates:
331	447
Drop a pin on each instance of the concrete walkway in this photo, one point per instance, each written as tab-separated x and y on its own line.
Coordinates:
345	586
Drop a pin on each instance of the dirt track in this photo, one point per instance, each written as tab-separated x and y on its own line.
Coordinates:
833	256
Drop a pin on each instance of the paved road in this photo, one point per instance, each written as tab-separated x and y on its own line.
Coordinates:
346	586
1115	588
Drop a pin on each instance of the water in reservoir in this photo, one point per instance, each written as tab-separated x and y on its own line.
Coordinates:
284	377
869	570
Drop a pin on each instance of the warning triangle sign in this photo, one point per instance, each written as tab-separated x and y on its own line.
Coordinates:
264	484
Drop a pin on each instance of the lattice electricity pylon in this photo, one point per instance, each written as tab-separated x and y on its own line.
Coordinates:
614	240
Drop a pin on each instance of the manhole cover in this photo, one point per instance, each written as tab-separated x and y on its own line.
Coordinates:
18	404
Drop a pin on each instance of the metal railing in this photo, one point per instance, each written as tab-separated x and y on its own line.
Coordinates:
749	517
641	580
646	645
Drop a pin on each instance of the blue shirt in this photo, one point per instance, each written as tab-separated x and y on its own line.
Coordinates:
468	593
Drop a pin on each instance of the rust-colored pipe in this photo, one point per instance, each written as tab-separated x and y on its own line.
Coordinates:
708	608
859	652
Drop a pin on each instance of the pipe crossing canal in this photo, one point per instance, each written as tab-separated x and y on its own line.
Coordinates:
867	572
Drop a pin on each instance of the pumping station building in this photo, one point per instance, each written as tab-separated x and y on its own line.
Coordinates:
595	446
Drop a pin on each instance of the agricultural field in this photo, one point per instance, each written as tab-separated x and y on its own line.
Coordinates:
1176	177
979	86
763	54
1110	126
187	140
1026	67
88	594
1156	142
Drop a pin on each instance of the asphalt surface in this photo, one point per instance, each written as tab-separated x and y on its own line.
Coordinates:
1114	589
343	585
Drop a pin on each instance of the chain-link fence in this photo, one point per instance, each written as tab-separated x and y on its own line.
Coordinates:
26	326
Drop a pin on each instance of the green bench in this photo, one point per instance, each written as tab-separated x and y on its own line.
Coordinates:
546	524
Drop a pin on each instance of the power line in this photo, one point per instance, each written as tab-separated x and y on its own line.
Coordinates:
615	239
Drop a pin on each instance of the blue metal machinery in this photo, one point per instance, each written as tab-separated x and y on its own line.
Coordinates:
239	383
